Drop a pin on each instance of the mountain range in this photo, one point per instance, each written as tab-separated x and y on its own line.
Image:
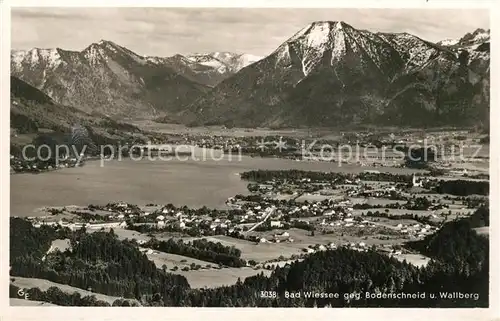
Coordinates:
111	79
327	74
331	74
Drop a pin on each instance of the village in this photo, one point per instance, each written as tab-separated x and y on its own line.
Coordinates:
19	165
286	216
453	149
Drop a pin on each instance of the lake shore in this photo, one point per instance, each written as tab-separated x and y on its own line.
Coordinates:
192	183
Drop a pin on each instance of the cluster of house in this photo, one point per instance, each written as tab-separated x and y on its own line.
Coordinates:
276	238
119	214
255	213
214	141
79	225
183	220
74	226
334	213
348	222
357	246
165	217
19	165
418	230
350	187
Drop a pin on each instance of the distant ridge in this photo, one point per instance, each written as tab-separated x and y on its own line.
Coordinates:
328	74
331	74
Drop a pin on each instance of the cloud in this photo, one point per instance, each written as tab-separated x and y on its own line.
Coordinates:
168	31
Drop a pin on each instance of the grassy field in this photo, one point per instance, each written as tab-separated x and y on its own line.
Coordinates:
415	259
125	234
216	130
214	278
263	252
455	212
312	198
483	230
13	302
373	201
260	252
28	283
60	245
171	260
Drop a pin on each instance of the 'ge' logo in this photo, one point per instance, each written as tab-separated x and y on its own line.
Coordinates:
23	294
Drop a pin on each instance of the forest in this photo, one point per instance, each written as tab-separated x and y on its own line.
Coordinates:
262	176
463	187
96	261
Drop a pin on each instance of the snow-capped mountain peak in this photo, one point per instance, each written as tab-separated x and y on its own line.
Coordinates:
318	30
478	37
104	42
107	78
333	42
205	69
209	61
448	42
224	55
481	35
332	73
49	58
103	45
225	61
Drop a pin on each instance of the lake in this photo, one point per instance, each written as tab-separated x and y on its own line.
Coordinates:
192	183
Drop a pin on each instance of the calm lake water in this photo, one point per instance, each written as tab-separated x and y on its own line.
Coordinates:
192	183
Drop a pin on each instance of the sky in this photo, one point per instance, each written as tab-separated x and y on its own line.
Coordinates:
169	31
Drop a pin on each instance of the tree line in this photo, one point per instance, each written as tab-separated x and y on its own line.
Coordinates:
262	176
463	187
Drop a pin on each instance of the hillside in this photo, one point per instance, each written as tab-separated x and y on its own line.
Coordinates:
44	285
331	74
33	114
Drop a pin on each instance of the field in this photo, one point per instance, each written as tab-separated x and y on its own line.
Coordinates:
415	259
264	252
171	260
61	245
192	183
455	212
217	130
13	302
312	198
28	283
260	252
214	278
373	201
483	230
126	234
